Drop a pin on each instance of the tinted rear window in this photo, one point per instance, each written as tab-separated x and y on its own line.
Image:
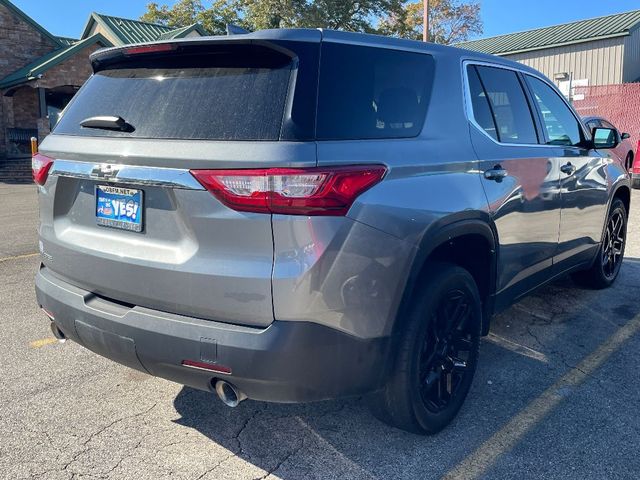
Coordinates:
368	93
242	92
239	95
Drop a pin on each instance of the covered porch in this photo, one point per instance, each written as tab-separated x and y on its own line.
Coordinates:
31	112
32	97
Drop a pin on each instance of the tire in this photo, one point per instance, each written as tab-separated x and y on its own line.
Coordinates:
432	374
628	163
606	266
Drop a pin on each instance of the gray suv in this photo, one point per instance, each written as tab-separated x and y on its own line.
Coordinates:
298	215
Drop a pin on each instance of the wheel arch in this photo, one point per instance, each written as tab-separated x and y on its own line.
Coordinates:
468	242
623	192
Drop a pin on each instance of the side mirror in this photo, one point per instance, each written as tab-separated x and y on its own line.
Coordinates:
624	136
605	138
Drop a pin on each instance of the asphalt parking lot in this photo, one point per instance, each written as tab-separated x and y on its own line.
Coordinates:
556	396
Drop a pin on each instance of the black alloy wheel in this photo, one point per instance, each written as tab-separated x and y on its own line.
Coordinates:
446	351
613	244
606	266
437	351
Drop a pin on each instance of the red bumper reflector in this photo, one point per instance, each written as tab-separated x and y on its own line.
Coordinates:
206	366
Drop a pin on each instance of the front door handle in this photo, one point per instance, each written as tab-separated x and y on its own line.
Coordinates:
568	168
497	173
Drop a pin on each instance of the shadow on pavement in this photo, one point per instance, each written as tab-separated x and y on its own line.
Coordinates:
561	323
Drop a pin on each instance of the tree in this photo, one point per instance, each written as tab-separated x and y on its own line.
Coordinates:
261	14
350	15
450	21
186	12
353	15
183	13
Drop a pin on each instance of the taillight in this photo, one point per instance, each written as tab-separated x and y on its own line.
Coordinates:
292	191
40	166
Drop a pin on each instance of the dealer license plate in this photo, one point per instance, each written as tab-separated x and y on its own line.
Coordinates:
119	207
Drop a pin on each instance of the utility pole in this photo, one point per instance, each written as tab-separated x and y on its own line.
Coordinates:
425	18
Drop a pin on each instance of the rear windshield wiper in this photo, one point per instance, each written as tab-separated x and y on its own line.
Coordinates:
107	123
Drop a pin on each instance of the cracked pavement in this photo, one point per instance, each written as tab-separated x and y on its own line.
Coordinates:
66	413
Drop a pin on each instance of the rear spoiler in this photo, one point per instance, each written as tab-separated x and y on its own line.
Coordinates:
237	36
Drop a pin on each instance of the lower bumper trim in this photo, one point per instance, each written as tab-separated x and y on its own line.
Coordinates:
285	362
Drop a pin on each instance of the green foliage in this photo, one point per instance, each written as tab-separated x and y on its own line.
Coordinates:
350	15
450	20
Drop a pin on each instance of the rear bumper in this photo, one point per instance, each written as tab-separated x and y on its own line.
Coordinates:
635	180
285	362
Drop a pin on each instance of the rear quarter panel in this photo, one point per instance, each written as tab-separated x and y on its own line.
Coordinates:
352	273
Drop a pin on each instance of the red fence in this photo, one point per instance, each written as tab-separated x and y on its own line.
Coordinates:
620	104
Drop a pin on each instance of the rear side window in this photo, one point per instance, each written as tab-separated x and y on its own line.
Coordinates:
561	125
238	95
480	104
369	93
508	105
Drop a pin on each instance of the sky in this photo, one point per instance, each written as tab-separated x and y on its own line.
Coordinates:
68	17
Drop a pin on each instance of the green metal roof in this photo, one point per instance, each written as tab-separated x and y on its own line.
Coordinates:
125	30
51	59
66	41
19	13
566	34
183	32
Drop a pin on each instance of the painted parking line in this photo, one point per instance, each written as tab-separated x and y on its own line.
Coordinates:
517	348
18	257
42	343
510	434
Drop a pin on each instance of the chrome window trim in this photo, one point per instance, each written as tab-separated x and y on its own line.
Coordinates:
129	174
469	106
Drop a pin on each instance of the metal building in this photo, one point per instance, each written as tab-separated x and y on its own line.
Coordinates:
597	51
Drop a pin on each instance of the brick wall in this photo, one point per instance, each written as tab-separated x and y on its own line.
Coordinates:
22	109
73	71
26	108
20	43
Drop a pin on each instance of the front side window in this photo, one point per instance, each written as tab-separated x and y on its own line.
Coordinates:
606	124
591	124
508	104
558	120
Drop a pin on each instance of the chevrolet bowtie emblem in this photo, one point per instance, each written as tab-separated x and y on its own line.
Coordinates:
105	171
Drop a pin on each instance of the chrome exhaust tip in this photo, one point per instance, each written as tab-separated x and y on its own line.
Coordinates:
59	334
229	394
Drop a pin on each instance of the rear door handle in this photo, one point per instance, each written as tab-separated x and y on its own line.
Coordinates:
497	173
568	168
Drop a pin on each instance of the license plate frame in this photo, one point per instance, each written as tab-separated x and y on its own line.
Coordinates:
108	214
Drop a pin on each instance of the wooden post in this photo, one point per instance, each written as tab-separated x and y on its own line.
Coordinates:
425	18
